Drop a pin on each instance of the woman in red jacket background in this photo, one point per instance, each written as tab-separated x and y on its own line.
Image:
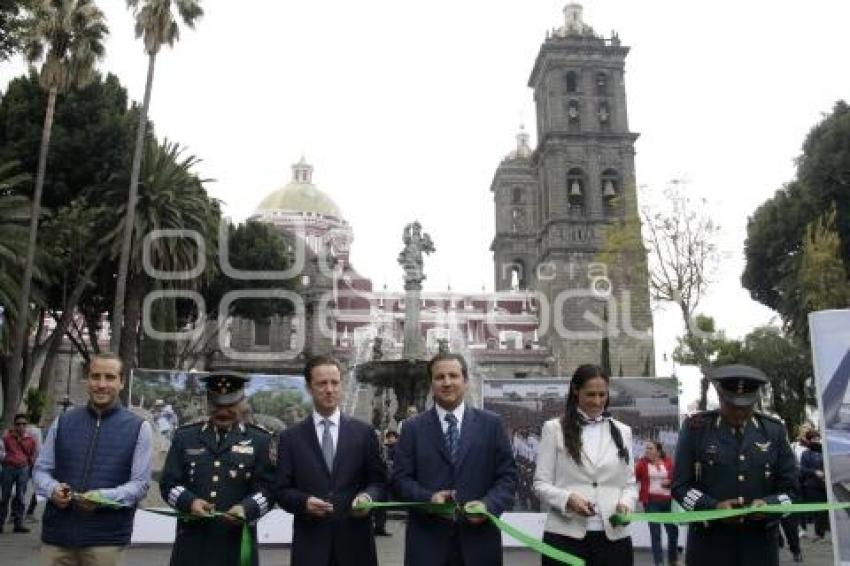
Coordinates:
654	472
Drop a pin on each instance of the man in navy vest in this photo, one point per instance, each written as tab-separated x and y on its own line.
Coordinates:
98	449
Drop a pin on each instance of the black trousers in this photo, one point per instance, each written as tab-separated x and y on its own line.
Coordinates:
725	544
594	548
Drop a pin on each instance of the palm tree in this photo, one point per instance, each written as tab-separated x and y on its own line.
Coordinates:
14	216
171	197
67	37
157	25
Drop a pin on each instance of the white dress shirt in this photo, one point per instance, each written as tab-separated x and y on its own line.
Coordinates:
320	428
458	413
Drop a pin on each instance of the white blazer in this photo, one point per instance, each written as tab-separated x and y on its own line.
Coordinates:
605	482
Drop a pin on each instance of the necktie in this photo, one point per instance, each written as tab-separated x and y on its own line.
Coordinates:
328	444
452	436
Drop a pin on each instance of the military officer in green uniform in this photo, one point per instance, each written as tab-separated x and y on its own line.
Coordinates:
222	464
734	457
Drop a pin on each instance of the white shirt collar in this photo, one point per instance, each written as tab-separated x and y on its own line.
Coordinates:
457	412
592	420
334	418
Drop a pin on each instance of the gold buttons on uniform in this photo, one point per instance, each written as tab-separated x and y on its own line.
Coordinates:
741	478
741	457
213	494
216	463
215	479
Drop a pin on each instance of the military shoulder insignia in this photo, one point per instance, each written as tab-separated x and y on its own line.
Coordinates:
767	416
260	428
699	420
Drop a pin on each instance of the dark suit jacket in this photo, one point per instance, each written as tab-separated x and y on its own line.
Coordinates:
302	473
485	471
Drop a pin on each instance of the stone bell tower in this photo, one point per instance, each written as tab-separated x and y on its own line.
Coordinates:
578	244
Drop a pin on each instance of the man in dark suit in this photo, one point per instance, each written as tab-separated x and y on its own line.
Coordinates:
327	463
453	453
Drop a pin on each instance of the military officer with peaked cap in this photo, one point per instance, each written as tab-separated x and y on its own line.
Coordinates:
222	464
734	457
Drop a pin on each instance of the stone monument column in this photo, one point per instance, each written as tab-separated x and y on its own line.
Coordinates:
416	243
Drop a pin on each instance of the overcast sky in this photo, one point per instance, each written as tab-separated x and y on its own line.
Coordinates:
406	108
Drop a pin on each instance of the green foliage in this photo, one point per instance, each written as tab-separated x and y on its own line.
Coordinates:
701	346
66	37
288	406
34	401
823	279
89	141
254	246
779	272
156	23
12	25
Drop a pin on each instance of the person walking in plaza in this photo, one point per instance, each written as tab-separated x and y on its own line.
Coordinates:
585	475
654	473
222	464
453	453
380	515
20	453
102	449
730	458
813	481
327	464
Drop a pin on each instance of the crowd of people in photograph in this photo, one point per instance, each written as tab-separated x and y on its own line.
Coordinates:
584	470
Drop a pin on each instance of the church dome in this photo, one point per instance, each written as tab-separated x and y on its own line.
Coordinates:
300	195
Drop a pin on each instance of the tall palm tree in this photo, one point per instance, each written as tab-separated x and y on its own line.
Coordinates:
171	197
66	37
157	25
14	217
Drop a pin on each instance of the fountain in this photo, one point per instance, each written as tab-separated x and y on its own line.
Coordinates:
406	377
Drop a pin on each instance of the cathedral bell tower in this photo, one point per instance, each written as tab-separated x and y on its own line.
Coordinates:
580	255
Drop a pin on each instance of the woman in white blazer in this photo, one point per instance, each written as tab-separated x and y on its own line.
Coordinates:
585	474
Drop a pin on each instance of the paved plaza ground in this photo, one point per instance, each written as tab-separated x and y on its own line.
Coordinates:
22	550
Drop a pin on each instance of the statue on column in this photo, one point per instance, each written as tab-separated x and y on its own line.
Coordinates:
416	243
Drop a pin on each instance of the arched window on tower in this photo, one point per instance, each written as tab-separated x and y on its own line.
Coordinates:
603	113
610	188
576	189
601	82
572	81
517	275
573	112
516	195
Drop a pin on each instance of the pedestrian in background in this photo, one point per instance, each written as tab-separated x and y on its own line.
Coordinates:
654	473
20	453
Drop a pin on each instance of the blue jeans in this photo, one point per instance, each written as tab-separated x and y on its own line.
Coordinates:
655	534
16	478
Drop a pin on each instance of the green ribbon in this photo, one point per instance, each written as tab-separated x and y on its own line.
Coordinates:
718	514
245	545
450	508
